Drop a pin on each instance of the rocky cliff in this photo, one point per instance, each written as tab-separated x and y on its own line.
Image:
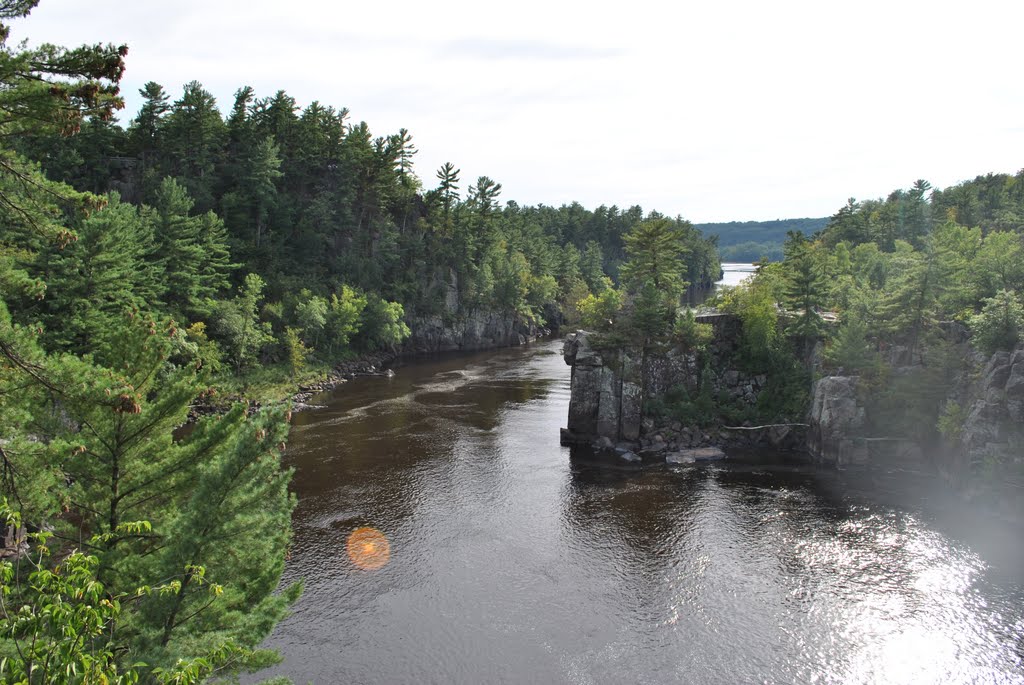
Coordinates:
836	422
994	423
978	439
477	330
612	389
605	396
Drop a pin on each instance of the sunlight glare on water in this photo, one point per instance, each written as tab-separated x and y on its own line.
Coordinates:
520	563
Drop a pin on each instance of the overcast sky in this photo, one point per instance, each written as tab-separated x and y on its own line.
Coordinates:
713	110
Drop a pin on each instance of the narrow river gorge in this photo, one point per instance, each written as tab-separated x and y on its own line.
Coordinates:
509	561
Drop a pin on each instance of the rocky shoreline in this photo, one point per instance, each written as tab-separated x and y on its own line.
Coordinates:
608	388
672	443
371	365
479	331
376	364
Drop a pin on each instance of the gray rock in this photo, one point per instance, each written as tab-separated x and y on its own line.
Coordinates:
654	450
997	371
836	422
706	454
567	437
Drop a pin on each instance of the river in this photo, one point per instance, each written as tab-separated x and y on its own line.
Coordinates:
733	273
510	562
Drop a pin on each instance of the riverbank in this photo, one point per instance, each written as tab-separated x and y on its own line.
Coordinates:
270	388
263	386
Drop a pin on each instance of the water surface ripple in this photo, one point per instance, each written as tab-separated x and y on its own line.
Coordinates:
510	562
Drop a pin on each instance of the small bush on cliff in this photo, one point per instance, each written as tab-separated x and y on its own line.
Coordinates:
850	350
951	421
999	325
689	334
599	312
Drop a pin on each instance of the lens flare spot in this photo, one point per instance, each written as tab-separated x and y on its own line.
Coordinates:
368	549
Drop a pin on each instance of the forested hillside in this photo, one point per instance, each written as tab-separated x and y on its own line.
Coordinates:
345	240
749	241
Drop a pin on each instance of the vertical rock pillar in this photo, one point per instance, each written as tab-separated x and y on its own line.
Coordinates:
606	396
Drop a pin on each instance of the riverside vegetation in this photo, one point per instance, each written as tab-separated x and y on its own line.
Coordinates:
914	301
194	256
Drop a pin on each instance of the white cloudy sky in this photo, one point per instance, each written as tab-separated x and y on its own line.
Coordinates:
741	109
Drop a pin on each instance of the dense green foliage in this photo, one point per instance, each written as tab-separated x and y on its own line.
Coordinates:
885	290
309	200
170	548
61	625
900	277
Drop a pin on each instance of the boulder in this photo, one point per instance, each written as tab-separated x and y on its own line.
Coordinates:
654	450
677	458
630	457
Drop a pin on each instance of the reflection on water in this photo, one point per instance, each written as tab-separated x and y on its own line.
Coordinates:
733	274
509	561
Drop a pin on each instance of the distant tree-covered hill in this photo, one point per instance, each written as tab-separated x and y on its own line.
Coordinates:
748	241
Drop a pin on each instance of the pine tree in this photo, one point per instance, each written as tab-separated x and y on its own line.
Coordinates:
805	285
212	507
93	281
655	253
194	139
192	251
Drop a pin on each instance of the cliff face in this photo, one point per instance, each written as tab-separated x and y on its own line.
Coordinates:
982	441
460	327
836	420
478	330
609	387
605	399
993	428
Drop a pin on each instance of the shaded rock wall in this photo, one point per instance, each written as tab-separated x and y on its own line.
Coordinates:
994	407
478	330
605	396
608	387
835	433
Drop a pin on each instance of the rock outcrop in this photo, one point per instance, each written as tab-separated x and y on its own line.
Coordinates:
835	432
478	330
605	400
609	388
994	425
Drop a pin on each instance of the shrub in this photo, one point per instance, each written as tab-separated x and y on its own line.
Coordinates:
998	325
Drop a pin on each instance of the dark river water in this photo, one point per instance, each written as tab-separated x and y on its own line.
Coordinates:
511	562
